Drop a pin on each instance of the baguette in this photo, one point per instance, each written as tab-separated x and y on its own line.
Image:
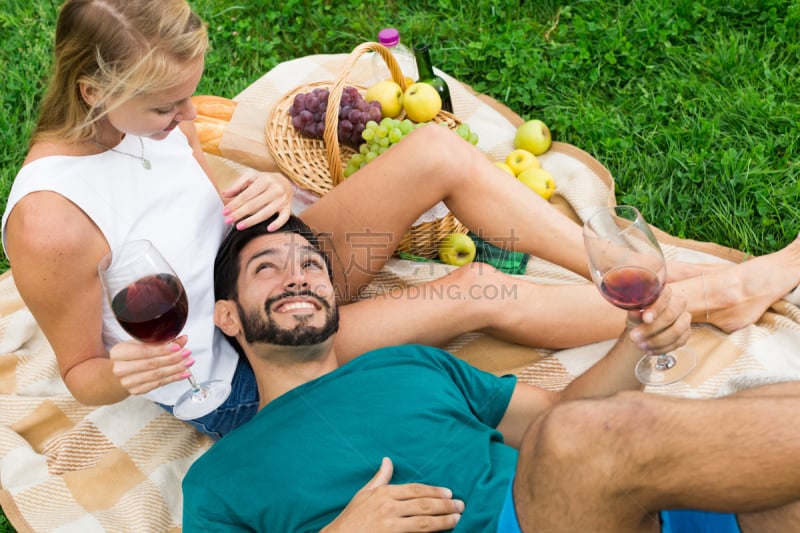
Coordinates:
213	115
214	106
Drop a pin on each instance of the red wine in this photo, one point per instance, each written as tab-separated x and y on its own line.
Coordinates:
153	308
630	287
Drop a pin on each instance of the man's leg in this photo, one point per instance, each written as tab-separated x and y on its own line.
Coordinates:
609	465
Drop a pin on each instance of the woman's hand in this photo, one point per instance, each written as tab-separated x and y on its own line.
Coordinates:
142	368
255	197
382	508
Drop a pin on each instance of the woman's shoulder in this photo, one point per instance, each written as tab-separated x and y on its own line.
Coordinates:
42	149
46	220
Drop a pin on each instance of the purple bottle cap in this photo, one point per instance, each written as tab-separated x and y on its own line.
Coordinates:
389	37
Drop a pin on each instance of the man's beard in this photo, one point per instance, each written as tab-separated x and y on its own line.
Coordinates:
258	330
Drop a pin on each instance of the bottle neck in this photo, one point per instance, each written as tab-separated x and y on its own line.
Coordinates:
424	67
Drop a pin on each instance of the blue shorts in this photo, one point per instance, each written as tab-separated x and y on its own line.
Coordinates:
240	406
683	521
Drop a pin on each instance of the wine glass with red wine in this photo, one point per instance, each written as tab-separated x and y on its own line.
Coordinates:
628	268
149	302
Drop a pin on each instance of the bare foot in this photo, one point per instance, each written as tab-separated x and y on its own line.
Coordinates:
740	294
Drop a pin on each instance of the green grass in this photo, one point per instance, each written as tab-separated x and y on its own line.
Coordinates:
693	106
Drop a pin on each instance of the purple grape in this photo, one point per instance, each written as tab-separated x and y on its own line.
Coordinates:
306	117
345	126
308	114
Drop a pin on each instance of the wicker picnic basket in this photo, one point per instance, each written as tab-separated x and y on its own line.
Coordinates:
317	165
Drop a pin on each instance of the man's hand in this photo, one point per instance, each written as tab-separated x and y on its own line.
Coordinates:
382	508
255	197
662	327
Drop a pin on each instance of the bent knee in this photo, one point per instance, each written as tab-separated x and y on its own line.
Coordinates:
475	272
598	433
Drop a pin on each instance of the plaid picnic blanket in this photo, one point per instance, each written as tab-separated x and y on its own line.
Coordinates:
65	467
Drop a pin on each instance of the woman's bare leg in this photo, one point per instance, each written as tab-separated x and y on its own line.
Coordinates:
479	298
371	210
368	213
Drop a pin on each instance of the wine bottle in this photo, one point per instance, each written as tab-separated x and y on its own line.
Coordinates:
426	75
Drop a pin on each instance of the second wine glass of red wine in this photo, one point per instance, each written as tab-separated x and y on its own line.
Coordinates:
628	268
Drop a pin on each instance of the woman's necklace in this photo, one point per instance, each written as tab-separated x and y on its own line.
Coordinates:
145	162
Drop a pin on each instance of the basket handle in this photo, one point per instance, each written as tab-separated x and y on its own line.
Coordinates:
331	134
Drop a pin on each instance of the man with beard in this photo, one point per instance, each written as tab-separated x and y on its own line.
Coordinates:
446	435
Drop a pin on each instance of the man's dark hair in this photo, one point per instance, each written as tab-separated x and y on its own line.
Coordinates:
226	264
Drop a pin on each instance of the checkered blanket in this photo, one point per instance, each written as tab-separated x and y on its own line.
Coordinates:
65	467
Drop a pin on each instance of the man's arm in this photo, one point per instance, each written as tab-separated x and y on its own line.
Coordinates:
666	326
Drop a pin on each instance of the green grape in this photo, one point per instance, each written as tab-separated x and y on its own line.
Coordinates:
368	133
473	138
395	135
349	170
382	149
387	122
406	126
356	159
363	148
463	131
384	141
381	131
370	156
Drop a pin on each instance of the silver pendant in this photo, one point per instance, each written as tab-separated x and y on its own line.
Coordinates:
146	164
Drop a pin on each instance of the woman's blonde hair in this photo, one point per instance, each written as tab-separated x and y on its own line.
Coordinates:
118	48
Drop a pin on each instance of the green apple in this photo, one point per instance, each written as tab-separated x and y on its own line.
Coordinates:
520	160
539	180
422	102
533	136
457	249
390	96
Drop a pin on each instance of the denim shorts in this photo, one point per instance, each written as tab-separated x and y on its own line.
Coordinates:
240	406
684	521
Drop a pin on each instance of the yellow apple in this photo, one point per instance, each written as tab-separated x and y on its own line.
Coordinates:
533	136
539	180
422	102
504	167
390	96
521	160
409	81
457	249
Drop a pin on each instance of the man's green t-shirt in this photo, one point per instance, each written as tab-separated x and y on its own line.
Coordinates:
296	465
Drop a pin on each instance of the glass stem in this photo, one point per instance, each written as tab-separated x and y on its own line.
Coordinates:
665	362
195	386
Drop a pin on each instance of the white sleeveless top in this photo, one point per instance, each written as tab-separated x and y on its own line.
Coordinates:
174	205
